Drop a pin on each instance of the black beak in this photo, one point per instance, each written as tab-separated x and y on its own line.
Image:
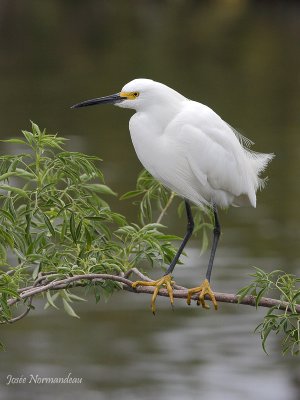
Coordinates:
112	99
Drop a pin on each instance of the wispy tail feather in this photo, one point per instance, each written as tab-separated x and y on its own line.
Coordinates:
259	162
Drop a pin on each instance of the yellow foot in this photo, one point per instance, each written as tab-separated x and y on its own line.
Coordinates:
203	289
166	281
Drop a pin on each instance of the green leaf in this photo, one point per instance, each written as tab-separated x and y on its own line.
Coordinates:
49	225
259	296
16	141
7	175
118	218
133	193
13	189
168	237
7	238
36	271
3	256
28	137
99	188
35	129
76	298
24	174
296	295
78	231
243	292
95	218
9	291
51	299
88	238
73	227
69	310
7	215
11	207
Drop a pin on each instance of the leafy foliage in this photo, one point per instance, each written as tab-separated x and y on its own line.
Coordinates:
285	322
153	195
54	217
56	224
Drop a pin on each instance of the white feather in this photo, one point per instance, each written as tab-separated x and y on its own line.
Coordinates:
190	149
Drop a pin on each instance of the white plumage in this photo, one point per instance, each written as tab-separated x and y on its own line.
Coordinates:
190	149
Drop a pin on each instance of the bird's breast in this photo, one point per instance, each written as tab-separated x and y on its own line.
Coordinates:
147	139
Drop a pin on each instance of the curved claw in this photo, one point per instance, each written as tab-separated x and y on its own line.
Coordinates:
166	281
203	290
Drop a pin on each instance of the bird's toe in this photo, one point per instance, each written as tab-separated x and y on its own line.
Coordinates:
203	290
164	281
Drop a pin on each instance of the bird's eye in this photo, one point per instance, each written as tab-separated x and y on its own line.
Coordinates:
136	94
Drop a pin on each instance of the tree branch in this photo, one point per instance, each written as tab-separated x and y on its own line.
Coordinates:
44	283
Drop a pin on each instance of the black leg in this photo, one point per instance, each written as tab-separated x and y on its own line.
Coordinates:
189	231
217	232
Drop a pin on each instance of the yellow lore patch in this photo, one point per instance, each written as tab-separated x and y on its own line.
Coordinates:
130	95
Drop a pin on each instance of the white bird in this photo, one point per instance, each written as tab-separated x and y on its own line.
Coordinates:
192	151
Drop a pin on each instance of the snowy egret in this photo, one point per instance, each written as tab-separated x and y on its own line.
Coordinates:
192	151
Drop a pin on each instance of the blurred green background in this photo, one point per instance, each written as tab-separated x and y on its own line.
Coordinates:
240	57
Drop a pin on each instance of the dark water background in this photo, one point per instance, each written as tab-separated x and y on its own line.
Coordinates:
242	58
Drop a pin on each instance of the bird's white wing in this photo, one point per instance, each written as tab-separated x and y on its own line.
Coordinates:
212	161
214	153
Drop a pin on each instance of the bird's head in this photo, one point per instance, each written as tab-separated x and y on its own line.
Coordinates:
138	94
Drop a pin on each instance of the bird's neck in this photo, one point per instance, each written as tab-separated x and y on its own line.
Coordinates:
161	115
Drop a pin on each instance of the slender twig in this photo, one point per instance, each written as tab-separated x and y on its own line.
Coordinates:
39	279
15	319
169	202
42	284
